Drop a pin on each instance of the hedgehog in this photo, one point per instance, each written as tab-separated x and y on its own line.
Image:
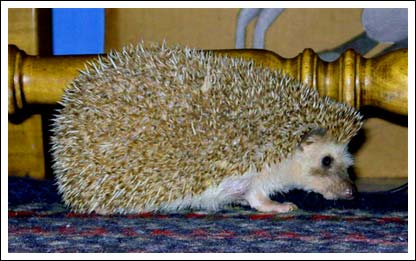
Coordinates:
169	128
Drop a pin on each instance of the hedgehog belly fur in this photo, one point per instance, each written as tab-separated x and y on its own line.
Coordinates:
145	128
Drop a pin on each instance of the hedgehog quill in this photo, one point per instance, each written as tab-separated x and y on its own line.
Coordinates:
171	128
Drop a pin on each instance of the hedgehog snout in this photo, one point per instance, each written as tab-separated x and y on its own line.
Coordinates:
348	190
342	189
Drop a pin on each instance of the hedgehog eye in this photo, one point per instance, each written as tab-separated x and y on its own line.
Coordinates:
327	161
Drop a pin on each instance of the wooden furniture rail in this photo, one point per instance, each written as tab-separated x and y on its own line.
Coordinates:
352	79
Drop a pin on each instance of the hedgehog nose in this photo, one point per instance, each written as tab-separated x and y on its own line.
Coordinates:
349	193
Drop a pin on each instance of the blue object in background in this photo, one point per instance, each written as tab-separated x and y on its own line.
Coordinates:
78	31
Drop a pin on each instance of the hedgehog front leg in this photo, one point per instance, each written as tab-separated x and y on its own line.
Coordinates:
263	203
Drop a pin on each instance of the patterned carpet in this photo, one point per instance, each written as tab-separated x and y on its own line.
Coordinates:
38	222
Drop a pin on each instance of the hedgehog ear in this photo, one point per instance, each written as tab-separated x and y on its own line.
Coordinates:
314	135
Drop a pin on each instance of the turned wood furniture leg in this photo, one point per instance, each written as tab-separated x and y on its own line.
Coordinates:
352	79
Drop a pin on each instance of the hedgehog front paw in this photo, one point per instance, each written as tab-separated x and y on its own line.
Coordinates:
289	206
277	207
261	202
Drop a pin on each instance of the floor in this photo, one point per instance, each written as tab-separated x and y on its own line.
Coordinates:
374	222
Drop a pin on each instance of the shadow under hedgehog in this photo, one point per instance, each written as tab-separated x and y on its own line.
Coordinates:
166	129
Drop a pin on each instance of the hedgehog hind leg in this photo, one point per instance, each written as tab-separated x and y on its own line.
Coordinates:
231	190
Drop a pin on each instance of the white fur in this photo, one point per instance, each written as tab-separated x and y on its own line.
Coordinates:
254	188
231	189
237	189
